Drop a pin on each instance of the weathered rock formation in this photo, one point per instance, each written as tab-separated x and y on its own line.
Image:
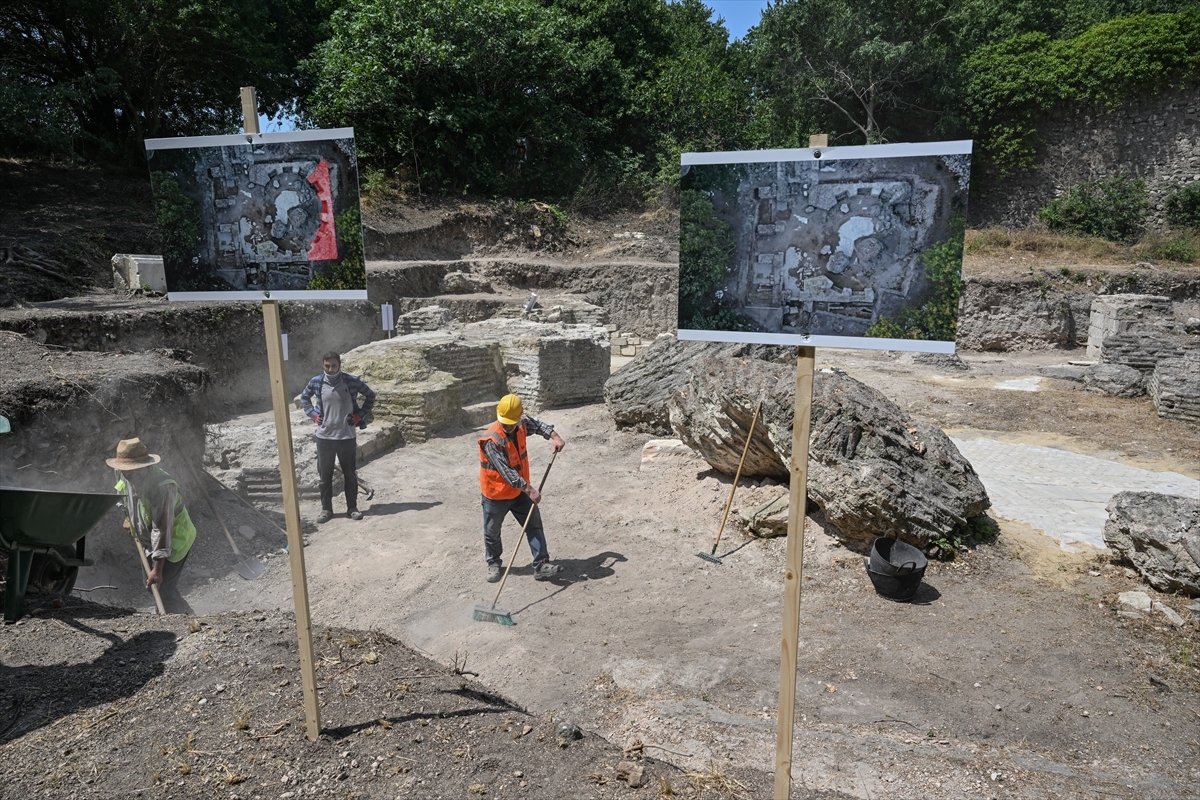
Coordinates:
872	468
1115	379
637	394
1160	535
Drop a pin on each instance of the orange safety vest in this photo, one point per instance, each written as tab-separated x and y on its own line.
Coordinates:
491	483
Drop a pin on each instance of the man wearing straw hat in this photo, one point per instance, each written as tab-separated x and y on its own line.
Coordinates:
155	505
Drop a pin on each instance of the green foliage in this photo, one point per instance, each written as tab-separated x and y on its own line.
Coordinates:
937	319
350	271
1113	208
443	91
1178	249
178	225
1183	206
705	245
104	74
1008	84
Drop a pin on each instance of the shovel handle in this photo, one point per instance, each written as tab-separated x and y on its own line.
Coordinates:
737	477
211	507
145	562
528	517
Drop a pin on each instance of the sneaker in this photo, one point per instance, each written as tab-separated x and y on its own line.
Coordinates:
494	573
355	514
545	571
324	516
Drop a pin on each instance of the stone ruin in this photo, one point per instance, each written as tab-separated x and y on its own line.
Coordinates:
425	382
1143	349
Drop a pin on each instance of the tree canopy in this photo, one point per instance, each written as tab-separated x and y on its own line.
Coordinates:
542	97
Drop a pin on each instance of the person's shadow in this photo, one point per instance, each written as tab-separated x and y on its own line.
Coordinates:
117	673
576	570
380	509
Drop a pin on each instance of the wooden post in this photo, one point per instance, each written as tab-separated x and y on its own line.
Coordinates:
794	557
287	476
291	509
793	571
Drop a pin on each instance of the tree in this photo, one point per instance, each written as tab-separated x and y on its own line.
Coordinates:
110	73
838	65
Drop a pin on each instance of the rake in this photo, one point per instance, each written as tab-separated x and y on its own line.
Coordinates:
713	555
486	613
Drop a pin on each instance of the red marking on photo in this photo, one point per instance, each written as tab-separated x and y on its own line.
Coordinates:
324	244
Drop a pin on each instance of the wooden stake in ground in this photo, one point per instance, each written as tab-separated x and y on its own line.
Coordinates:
793	569
287	475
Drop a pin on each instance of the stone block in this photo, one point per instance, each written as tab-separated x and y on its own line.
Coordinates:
629	350
410	393
1117	313
1175	388
139	272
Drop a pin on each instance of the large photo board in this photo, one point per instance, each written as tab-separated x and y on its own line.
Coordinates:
839	246
259	216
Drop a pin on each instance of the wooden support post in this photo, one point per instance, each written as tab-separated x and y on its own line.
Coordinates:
291	510
249	110
287	476
793	571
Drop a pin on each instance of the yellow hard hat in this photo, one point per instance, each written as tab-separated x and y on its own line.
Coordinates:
509	409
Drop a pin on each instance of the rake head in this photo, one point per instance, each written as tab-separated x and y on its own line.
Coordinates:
486	613
710	557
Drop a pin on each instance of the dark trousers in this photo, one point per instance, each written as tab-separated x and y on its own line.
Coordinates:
168	590
346	451
494	512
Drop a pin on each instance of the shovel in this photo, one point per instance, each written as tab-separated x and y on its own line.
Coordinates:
713	555
248	567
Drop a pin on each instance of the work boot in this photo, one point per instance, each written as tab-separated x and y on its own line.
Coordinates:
545	571
324	516
494	573
355	514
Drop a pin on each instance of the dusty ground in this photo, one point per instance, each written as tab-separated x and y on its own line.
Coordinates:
1011	677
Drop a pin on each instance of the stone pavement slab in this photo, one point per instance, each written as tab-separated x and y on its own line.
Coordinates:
1061	493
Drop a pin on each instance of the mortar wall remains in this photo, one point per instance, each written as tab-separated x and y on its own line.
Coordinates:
1155	138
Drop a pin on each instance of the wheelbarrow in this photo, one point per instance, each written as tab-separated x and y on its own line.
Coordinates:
43	534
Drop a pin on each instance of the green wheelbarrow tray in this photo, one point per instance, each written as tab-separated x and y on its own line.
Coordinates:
35	522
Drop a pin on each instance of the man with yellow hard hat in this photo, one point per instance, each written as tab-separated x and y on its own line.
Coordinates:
504	481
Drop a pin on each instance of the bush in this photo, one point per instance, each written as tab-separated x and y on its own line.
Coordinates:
1183	206
1180	250
1113	208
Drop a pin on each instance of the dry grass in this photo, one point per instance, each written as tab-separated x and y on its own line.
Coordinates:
998	242
713	780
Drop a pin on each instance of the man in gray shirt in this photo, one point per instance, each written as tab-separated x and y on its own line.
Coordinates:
331	400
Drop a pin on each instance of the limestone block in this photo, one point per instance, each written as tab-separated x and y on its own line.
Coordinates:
548	365
410	393
1117	313
1160	535
139	272
1175	388
1143	349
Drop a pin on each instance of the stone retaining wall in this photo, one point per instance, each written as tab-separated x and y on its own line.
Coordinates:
1155	138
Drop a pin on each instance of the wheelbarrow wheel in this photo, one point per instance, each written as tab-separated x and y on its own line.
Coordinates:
48	577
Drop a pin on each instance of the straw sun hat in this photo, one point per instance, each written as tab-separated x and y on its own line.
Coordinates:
132	454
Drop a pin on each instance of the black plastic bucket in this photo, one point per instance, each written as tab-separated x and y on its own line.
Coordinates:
890	556
896	587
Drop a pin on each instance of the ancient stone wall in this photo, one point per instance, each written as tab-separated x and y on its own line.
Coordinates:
1155	138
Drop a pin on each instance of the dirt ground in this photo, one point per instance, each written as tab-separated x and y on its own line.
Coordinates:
1010	677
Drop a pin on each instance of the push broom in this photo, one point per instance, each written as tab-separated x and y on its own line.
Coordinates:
713	555
486	613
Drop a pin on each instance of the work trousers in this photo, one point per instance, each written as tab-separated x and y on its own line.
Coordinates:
168	590
493	517
346	451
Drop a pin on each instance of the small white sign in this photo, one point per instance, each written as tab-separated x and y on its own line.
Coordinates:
285	354
388	317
